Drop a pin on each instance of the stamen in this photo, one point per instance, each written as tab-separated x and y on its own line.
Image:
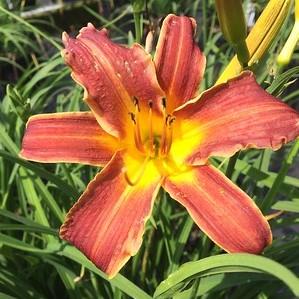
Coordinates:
135	120
139	175
151	135
163	138
170	134
136	104
163	145
164	134
167	135
164	130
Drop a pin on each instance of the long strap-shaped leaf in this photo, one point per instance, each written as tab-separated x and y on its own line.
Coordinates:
224	263
118	281
74	254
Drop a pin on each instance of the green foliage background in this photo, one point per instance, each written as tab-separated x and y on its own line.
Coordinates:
34	197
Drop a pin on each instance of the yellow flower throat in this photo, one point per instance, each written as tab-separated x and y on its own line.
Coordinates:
152	140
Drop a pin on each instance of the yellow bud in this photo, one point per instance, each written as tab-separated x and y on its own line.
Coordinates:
261	36
232	22
286	53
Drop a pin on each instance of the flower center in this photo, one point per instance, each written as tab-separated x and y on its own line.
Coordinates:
152	139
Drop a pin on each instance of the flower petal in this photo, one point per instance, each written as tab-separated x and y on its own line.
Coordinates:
230	117
222	210
179	61
112	76
107	223
74	137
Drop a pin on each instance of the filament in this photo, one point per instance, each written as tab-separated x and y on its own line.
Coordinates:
167	133
151	135
136	119
164	130
169	137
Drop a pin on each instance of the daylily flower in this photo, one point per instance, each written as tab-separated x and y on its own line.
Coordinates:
147	133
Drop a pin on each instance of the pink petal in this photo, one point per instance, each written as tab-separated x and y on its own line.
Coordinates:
180	63
230	117
222	210
113	76
107	223
74	137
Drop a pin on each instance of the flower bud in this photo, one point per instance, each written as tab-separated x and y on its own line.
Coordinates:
233	25
286	53
260	37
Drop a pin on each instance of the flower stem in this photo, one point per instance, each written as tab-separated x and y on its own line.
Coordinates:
138	9
137	20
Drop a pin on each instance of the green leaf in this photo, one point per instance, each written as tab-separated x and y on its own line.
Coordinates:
17	244
20	104
286	205
18	218
181	242
29	228
118	281
41	172
281	81
286	164
34	29
218	282
224	263
10	278
5	296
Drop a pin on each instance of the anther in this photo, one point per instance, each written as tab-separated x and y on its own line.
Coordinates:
137	135
167	135
132	117
171	120
167	119
164	103
170	133
136	103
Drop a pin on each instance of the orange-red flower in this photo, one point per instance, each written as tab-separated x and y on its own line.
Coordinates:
147	133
